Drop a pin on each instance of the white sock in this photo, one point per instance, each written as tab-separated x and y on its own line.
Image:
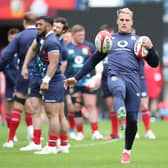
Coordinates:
127	151
30	132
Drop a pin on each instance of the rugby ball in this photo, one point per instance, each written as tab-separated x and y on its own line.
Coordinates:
139	50
91	84
103	41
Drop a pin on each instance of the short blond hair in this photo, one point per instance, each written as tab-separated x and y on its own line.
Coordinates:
126	11
77	28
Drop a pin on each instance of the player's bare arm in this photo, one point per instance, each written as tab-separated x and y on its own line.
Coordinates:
53	62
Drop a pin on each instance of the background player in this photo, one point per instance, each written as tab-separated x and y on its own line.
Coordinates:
48	57
10	72
107	94
79	51
20	45
145	113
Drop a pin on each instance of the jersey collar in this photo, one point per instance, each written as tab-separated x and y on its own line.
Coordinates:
50	32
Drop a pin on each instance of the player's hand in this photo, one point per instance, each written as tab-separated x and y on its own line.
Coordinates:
43	87
25	72
70	82
147	43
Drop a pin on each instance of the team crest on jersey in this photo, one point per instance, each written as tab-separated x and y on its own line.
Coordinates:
85	51
79	60
133	37
70	51
122	43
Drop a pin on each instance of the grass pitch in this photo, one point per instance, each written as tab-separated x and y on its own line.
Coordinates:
88	153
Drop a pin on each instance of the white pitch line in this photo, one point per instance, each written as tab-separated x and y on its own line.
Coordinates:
93	144
72	146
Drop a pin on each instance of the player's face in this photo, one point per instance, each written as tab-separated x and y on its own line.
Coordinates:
41	27
58	28
11	37
79	37
67	37
125	23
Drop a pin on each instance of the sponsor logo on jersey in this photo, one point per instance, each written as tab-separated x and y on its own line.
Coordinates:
122	43
85	51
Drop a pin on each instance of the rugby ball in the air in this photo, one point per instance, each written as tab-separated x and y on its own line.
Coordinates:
103	41
139	50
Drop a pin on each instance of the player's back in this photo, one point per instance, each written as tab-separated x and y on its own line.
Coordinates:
11	70
24	40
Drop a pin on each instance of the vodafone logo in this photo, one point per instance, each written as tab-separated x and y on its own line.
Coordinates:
122	43
79	60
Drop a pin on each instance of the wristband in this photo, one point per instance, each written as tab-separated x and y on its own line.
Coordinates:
46	79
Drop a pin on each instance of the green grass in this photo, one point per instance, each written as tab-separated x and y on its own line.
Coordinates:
90	154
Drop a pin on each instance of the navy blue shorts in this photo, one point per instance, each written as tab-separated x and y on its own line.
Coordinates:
22	84
34	84
80	89
10	89
144	92
55	93
104	86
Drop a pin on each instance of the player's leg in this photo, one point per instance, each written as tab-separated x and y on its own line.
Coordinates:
19	103
132	105
113	118
78	102
109	102
28	120
146	118
93	114
70	109
117	87
64	145
154	108
15	118
9	101
2	98
10	88
35	107
52	111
